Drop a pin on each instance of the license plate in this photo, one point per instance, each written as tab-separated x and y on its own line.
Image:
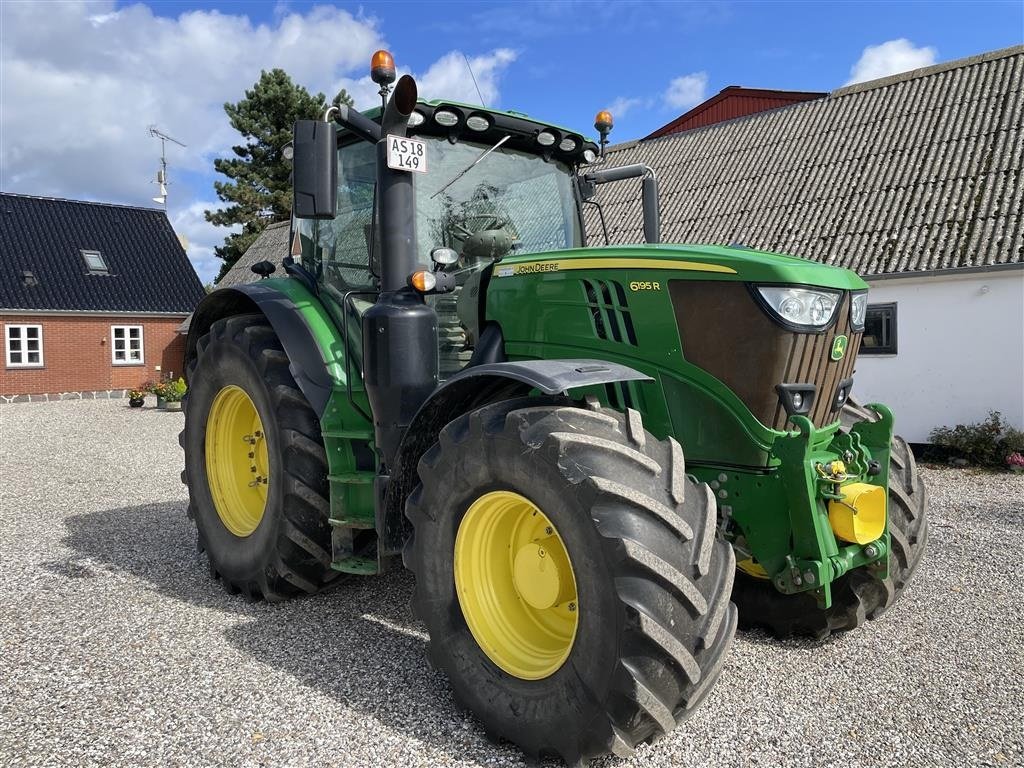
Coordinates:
407	154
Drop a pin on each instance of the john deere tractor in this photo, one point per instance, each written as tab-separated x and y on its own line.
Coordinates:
595	460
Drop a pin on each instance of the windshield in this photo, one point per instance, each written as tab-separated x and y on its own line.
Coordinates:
509	202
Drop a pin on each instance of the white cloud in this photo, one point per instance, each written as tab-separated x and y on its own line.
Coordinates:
687	91
450	78
81	81
890	58
447	78
623	105
200	236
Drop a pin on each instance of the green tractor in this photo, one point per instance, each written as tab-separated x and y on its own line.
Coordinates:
595	460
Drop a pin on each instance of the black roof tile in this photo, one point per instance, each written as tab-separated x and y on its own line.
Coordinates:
148	269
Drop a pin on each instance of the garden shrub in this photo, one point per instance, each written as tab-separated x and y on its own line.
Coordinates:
986	444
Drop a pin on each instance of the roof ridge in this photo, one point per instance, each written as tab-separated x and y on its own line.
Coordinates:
82	202
931	69
845	90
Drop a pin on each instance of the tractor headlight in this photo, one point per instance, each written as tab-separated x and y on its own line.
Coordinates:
858	310
446	118
806	308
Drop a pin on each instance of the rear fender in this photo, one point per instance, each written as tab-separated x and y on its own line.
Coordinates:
313	345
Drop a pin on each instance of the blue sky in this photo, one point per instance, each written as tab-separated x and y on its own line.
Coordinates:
114	68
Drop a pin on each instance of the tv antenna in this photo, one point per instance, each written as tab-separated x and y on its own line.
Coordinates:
161	175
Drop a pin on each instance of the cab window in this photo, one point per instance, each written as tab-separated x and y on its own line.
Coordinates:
338	251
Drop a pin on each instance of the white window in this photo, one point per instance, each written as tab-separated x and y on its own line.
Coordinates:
126	348
24	345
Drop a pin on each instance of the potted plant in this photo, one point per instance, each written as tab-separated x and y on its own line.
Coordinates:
174	391
136	398
159	388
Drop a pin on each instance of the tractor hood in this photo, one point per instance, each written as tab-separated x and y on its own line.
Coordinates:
717	262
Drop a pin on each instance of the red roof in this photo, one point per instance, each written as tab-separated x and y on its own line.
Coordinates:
732	102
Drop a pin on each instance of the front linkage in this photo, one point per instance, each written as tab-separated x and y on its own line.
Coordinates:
820	515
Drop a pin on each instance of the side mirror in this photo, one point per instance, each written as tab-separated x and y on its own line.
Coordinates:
315	170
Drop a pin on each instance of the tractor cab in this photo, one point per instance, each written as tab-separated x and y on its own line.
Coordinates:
485	185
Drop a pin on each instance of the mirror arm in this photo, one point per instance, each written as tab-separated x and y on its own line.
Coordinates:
649	193
358	123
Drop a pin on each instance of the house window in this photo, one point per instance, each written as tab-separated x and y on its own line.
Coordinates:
24	345
94	263
126	348
879	330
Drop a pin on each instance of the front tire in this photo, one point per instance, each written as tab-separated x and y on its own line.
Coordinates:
641	623
255	465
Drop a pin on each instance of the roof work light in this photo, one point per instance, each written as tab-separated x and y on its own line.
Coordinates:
382	68
382	72
603	123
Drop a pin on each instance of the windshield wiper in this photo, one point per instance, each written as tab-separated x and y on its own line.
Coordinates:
466	170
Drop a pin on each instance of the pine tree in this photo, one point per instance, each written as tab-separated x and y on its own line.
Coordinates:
259	190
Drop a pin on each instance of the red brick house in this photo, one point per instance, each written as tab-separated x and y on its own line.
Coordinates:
90	297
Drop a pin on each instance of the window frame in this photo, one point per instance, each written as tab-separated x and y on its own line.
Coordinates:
127	347
86	253
891	348
22	345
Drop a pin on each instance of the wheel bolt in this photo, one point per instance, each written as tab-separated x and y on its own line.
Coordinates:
572	606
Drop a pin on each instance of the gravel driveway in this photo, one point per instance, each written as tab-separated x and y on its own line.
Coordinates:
117	649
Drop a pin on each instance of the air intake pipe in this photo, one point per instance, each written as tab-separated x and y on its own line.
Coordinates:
400	364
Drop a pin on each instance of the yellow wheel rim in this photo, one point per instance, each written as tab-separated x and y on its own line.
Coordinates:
516	585
751	567
237	462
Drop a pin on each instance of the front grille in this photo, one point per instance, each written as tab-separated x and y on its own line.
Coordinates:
609	311
724	331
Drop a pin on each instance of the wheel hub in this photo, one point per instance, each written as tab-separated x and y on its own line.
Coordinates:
516	585
237	460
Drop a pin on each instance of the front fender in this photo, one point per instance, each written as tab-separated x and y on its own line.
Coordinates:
467	390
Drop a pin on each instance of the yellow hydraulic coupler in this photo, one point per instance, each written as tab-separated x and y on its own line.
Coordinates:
860	516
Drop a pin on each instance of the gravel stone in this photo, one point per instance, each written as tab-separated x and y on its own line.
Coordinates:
116	648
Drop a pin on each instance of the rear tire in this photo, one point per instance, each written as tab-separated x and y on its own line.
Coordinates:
861	594
287	552
653	582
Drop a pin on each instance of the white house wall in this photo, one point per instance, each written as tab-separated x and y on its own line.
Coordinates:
960	351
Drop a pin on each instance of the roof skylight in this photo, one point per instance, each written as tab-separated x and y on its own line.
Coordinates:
94	262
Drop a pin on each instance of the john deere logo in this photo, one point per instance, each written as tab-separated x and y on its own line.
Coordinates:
839	347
